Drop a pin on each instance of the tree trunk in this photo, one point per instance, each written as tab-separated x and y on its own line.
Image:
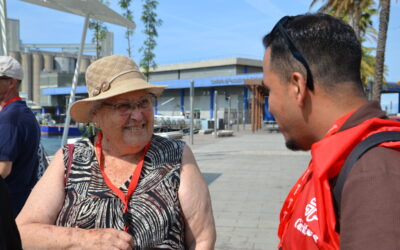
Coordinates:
380	50
128	37
357	18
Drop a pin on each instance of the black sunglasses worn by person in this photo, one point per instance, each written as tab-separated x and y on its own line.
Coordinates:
279	26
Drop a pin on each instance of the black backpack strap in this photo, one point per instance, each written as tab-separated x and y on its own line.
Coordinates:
355	154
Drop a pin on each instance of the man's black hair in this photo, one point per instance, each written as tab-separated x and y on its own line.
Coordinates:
328	45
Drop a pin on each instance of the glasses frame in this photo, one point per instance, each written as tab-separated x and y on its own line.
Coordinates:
279	26
132	106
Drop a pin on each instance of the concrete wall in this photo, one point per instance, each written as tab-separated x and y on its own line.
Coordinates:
208	72
49	80
13	43
48	62
26	86
194	73
56	79
164	76
64	64
85	62
37	69
243	69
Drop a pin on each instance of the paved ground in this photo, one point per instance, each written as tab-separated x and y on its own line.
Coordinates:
249	176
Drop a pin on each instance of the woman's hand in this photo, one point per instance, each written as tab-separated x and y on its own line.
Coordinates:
106	238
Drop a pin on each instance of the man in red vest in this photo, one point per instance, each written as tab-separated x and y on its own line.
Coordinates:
312	70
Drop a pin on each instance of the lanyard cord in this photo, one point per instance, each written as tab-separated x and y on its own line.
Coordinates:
10	101
134	179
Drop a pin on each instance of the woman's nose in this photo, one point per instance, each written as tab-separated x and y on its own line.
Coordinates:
136	114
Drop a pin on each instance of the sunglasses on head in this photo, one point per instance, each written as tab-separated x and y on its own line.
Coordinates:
279	26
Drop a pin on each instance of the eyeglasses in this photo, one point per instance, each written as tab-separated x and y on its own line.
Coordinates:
126	108
295	52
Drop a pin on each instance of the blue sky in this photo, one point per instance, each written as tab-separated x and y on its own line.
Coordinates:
191	31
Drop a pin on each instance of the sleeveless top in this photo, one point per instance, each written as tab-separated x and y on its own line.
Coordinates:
154	217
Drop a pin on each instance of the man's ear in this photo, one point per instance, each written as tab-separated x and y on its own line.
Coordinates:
298	85
13	84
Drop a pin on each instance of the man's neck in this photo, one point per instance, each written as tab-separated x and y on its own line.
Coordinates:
333	111
8	98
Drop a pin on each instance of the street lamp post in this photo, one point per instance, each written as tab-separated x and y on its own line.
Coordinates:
191	112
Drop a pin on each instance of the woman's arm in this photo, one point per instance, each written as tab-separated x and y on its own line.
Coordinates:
196	205
37	218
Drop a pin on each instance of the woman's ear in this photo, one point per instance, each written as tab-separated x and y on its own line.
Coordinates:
95	118
298	84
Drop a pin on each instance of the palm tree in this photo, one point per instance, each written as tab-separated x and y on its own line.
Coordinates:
384	14
358	14
350	8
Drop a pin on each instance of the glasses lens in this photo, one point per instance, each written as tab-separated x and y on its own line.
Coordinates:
122	108
125	108
144	104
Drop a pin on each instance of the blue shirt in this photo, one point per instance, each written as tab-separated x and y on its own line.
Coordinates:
19	142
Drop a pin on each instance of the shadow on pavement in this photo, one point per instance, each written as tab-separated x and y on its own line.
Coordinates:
210	177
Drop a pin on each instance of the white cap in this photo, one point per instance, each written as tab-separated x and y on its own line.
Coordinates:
10	67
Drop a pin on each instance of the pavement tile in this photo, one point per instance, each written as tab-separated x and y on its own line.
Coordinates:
250	175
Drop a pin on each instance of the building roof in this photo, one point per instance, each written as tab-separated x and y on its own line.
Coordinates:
209	63
391	87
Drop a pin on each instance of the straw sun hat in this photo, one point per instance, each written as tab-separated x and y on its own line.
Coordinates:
107	77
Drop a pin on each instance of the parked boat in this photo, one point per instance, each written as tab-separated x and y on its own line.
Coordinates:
58	129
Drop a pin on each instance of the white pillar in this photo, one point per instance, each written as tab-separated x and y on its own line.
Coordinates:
191	112
3	27
74	82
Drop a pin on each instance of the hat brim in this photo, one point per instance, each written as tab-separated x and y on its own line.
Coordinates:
80	110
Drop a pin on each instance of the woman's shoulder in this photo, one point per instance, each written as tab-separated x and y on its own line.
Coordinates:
160	141
166	149
81	146
79	142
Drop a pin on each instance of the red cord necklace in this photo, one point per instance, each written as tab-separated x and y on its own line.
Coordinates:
10	101
134	179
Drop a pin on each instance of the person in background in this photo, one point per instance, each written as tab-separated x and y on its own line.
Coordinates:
19	136
312	71
9	235
124	188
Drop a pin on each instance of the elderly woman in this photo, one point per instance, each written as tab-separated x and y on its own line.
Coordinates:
126	188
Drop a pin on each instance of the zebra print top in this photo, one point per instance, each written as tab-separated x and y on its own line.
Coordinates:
154	217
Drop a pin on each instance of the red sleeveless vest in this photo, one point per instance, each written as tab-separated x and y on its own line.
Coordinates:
307	219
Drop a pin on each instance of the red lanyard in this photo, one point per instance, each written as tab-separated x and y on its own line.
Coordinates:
292	197
288	206
134	179
10	101
338	124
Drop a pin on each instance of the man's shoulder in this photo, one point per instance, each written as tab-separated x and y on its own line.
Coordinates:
370	202
378	160
16	114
